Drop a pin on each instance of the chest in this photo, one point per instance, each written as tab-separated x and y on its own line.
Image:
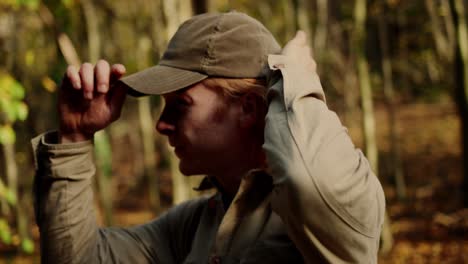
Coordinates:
256	237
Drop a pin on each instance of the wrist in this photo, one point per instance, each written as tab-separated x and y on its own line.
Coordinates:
73	137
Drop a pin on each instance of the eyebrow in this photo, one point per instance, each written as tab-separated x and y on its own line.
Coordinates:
179	94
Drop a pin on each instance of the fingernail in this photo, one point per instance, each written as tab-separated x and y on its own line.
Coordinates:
77	85
102	88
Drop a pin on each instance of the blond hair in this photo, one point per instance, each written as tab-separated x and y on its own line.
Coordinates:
234	88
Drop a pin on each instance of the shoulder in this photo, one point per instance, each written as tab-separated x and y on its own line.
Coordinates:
185	213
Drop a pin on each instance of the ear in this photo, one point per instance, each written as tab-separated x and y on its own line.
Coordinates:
249	110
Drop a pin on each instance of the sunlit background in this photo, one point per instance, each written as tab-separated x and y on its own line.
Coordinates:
395	71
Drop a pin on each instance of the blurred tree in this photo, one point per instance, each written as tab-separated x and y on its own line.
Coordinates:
103	148
303	19
203	6
396	168
321	30
12	109
175	13
365	84
461	83
444	41
151	159
368	120
289	15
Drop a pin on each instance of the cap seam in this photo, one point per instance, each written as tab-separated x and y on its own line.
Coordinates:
263	45
210	46
179	68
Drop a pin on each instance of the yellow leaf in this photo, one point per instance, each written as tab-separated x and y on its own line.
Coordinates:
15	240
29	57
49	84
7	135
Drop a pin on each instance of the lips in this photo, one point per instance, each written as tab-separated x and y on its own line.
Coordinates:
178	151
177	145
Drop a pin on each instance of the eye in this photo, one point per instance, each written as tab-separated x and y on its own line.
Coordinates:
182	102
179	106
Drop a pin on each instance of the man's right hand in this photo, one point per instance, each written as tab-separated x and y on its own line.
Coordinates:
89	100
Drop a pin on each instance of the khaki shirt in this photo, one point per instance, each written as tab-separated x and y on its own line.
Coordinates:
318	203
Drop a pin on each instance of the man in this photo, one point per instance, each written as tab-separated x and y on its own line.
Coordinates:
292	188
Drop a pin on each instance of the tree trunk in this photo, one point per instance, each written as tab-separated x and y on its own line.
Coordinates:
203	6
396	167
92	28
321	30
441	43
303	18
404	50
360	13
103	149
171	17
149	153
365	85
449	27
11	172
103	152
461	84
290	21
174	13
63	41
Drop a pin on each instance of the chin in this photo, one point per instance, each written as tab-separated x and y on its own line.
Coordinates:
188	170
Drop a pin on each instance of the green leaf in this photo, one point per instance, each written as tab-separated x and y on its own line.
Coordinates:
17	90
3	104
10	111
5	233
7	135
21	111
10	88
29	57
27	245
103	151
67	3
10	197
31	4
7	194
9	3
6	81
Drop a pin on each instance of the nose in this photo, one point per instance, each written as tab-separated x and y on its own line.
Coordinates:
163	125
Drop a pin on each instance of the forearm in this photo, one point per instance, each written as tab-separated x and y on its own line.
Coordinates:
64	199
325	191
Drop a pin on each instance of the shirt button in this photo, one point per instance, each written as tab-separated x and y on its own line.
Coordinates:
212	203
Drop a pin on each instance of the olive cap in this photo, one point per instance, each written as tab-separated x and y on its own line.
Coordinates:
230	45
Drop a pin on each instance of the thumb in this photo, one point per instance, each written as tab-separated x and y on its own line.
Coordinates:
116	98
299	41
300	38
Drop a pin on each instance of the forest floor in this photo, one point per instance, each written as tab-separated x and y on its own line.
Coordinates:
429	225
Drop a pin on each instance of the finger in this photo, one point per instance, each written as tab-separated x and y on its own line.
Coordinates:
102	72
116	98
300	38
73	77
117	71
307	52
87	80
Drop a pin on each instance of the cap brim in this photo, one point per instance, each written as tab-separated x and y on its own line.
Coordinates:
161	79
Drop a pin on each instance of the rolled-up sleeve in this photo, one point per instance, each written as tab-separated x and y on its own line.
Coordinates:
64	209
324	188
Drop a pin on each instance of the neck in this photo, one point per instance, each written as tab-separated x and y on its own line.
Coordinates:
230	178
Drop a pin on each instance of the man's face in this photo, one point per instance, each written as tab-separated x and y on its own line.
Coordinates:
203	127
